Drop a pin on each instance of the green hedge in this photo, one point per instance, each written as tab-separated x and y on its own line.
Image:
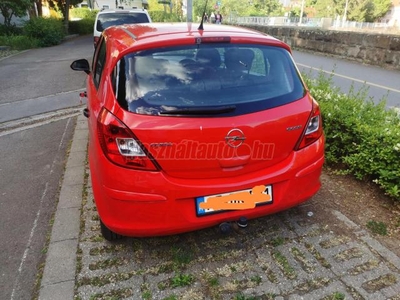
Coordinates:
49	31
19	42
82	27
161	16
10	30
362	138
83	13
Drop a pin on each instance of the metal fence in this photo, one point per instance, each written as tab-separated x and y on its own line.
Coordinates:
326	23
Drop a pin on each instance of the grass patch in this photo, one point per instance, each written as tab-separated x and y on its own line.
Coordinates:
181	280
277	241
241	296
377	227
335	296
283	263
181	256
172	297
256	279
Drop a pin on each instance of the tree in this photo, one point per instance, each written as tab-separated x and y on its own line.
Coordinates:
360	11
39	7
61	6
325	8
11	8
239	8
381	7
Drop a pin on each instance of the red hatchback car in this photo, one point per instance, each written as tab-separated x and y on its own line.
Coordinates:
190	128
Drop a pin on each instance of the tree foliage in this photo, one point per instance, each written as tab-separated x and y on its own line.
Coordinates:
262	8
381	7
360	11
60	5
357	10
11	8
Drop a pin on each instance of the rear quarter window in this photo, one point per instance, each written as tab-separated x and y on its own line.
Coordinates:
247	77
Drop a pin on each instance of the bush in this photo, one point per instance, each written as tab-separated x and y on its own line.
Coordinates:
82	13
49	31
10	30
362	138
82	27
161	16
19	42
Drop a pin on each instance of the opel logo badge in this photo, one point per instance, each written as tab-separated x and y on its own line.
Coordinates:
235	138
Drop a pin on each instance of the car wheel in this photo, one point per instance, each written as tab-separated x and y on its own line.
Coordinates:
108	234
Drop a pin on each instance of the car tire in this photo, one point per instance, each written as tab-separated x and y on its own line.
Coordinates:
108	234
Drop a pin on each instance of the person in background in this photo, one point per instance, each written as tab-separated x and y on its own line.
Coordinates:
212	17
205	18
218	18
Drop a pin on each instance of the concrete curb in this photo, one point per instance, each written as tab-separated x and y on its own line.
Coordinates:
58	279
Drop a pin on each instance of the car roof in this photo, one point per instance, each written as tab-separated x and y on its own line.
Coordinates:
139	36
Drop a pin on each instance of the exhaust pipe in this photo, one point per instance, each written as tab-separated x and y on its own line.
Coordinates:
226	227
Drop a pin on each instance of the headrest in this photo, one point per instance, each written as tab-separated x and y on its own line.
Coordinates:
239	59
209	57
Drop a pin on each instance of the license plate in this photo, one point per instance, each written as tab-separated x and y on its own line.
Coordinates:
238	200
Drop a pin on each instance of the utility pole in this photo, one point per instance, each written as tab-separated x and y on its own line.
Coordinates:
301	12
189	7
345	13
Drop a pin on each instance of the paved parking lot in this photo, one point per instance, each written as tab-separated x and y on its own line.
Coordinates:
297	254
286	255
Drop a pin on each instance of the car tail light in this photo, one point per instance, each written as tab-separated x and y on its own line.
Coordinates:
314	128
120	145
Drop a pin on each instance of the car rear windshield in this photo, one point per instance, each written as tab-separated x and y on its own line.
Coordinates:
206	79
106	20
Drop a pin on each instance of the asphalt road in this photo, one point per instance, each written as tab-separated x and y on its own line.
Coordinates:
32	165
379	84
34	148
40	80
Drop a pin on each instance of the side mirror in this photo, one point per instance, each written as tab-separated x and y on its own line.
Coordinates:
81	65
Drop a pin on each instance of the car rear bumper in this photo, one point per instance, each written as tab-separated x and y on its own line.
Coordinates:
142	203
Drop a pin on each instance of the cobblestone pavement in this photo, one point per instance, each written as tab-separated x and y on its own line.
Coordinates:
291	255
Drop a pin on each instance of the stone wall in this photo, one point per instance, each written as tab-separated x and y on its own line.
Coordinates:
375	49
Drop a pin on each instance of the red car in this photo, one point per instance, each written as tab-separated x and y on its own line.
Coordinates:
192	127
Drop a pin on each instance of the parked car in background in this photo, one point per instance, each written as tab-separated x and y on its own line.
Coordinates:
191	128
107	18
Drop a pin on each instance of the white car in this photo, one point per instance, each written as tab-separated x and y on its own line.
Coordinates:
107	18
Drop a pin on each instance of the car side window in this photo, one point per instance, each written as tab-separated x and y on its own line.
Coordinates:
99	62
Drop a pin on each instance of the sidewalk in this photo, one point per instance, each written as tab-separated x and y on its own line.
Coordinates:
58	279
292	255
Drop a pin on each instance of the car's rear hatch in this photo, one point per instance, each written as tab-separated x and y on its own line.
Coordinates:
214	147
214	110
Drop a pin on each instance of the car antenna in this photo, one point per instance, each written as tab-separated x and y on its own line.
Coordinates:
202	17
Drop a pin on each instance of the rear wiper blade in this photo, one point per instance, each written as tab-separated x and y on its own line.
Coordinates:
208	110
